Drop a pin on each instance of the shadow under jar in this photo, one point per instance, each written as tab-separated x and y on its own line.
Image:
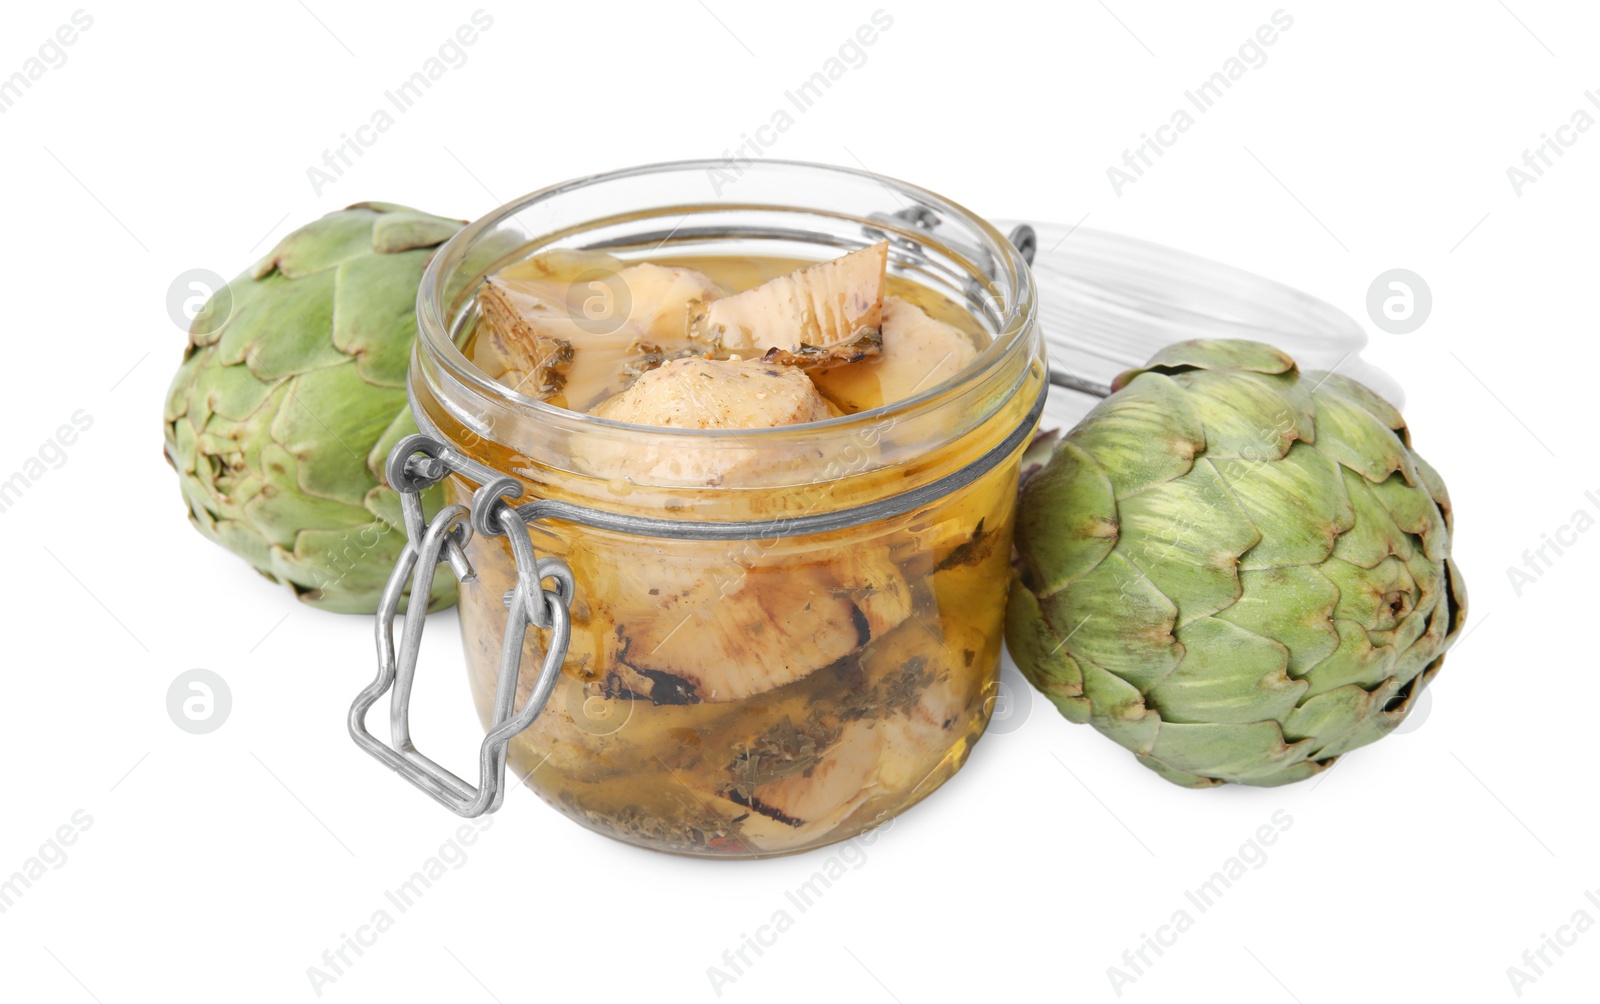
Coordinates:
855	666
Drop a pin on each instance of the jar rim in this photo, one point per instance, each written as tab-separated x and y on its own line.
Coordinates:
1015	322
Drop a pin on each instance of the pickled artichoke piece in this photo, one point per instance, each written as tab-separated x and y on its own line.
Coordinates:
576	327
698	393
694	393
516	346
816	317
713	640
922	670
932	694
561	263
877	587
663	299
918	352
767	836
781	751
599	732
797	783
832	779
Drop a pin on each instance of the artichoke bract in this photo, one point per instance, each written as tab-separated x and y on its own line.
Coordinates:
1236	570
291	393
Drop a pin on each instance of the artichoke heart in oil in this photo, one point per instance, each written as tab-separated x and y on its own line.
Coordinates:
766	696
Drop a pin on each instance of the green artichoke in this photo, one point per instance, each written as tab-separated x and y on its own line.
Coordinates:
292	391
1235	570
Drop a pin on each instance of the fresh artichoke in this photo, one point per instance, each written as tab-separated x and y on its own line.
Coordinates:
1237	571
292	391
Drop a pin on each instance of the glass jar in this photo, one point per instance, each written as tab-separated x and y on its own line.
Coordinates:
854	658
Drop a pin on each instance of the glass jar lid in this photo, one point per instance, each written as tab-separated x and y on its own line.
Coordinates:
1108	302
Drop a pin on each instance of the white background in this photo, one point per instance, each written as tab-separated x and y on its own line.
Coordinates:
221	866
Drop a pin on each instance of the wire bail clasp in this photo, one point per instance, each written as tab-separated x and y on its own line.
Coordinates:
416	463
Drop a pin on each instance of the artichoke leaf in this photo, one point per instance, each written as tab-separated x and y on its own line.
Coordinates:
372	319
1437	489
1145	435
1376	536
400	229
333	464
1358	440
284	330
1120	710
1218	354
1424	651
1355	662
1416	513
1039	654
1228	676
1345	718
281	510
320	245
1343	386
1228	752
232	393
1117	619
1253	416
1293	606
1298	505
1068	514
1186	536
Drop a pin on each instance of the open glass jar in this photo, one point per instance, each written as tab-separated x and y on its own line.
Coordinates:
753	667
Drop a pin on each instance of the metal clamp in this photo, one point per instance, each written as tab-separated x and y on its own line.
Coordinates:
416	463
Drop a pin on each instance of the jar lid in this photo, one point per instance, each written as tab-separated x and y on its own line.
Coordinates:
1108	302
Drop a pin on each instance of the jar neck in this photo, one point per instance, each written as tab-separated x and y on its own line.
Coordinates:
831	464
822	467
